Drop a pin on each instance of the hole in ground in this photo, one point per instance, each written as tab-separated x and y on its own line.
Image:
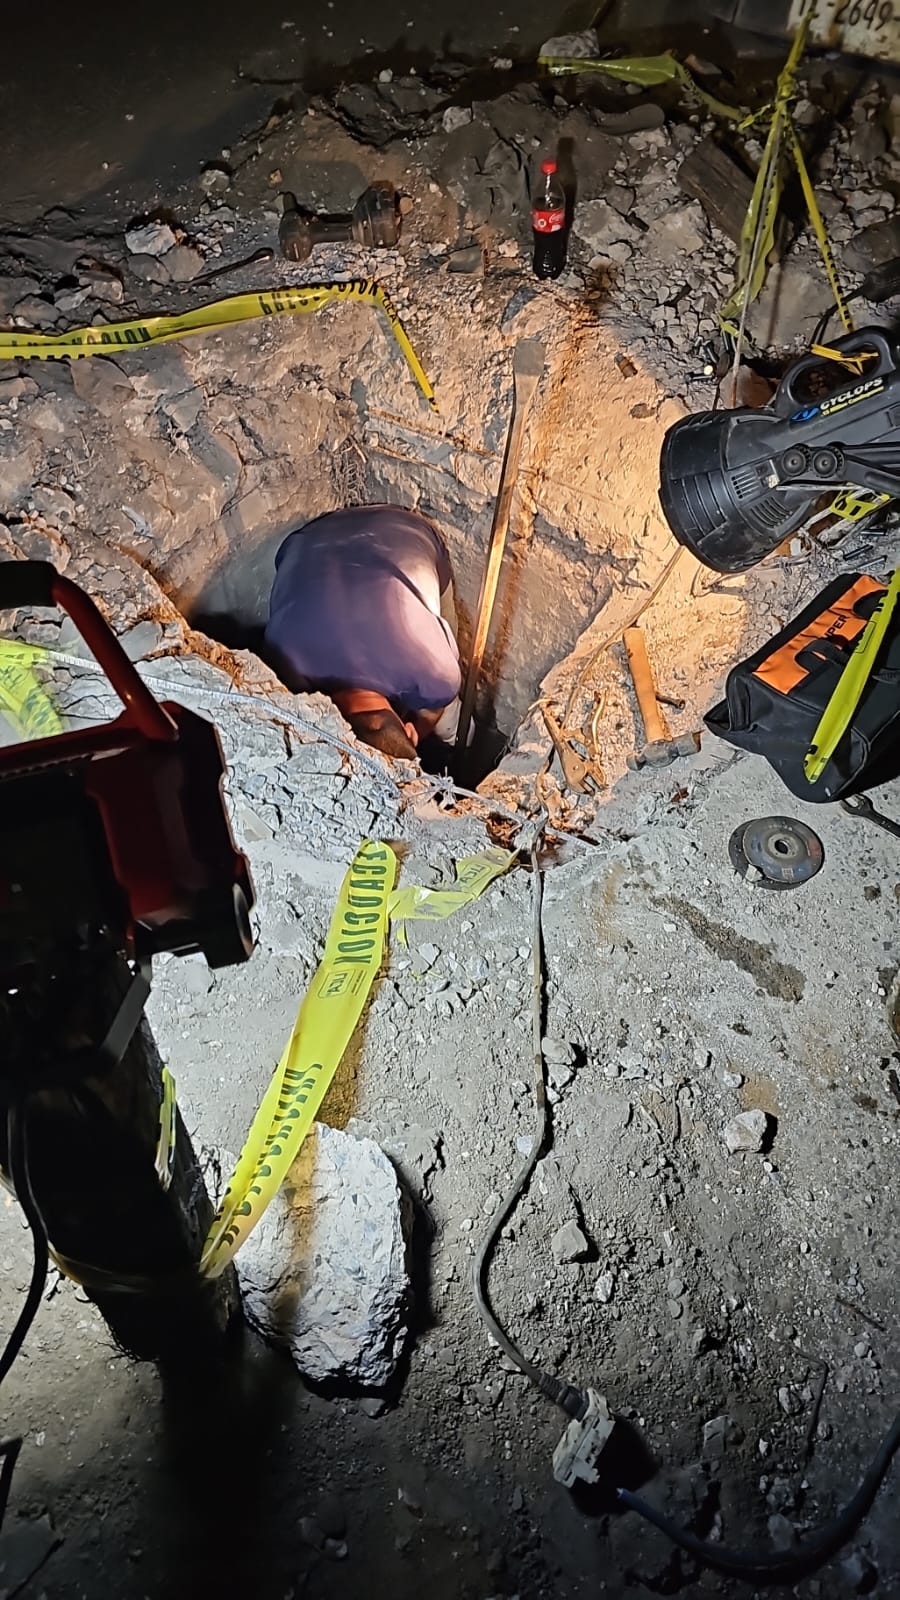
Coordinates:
584	522
466	767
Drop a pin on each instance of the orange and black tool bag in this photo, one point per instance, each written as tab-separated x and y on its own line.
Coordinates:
774	700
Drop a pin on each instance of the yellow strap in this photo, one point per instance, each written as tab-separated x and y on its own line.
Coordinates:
325	1025
23	699
839	712
855	362
136	334
758	231
853	503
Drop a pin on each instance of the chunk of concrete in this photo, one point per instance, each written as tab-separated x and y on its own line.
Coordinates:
183	262
324	1273
600	225
150	239
746	1131
790	305
873	246
12	290
25	1544
680	231
102	384
569	1243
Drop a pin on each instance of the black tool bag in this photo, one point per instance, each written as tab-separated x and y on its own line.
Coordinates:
775	699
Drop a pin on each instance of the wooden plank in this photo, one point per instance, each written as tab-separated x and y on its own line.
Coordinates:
712	176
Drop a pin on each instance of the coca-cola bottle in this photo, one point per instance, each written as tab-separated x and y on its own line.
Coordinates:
548	220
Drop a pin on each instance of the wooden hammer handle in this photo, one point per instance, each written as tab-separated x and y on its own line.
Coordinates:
655	727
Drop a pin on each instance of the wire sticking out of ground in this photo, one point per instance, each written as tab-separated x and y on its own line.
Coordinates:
562	1394
775	1567
20	1179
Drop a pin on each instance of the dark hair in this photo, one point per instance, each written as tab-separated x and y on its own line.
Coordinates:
384	731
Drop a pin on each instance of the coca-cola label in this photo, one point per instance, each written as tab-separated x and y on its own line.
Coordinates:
548	221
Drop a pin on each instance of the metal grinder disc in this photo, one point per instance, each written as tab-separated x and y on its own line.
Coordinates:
786	852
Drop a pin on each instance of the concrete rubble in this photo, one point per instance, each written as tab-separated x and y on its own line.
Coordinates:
711	1223
746	1131
324	1275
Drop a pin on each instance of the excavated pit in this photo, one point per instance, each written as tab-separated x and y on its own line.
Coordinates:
196	459
584	519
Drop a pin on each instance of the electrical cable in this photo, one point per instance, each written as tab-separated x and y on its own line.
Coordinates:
778	1567
562	1394
783	1567
21	1182
17	1145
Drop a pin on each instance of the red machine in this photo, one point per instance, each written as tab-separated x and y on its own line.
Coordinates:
121	826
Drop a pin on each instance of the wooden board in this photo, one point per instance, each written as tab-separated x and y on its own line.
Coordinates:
709	174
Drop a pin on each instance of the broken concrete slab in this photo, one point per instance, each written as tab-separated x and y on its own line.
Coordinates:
324	1274
679	232
599	224
149	269
183	262
150	239
872	247
15	290
794	296
25	1545
746	1131
102	383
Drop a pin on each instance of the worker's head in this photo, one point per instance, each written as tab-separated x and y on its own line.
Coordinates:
375	722
384	731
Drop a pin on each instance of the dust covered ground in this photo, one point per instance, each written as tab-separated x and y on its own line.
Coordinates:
737	1308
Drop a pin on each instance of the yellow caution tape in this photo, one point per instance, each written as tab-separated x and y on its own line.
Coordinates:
473	874
839	712
758	232
143	331
168	1122
645	70
23	699
815	217
325	1024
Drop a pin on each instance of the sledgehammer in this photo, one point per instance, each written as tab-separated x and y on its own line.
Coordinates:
660	747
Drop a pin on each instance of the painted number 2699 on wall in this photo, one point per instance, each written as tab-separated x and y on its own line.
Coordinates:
860	27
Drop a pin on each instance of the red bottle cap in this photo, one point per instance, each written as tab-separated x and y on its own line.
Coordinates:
548	166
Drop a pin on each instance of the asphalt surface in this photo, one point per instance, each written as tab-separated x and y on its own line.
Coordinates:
107	100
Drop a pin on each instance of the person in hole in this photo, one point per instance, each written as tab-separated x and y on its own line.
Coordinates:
356	612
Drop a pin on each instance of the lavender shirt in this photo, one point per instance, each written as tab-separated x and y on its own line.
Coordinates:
356	605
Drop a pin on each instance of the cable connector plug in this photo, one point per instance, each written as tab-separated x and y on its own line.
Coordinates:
579	1452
